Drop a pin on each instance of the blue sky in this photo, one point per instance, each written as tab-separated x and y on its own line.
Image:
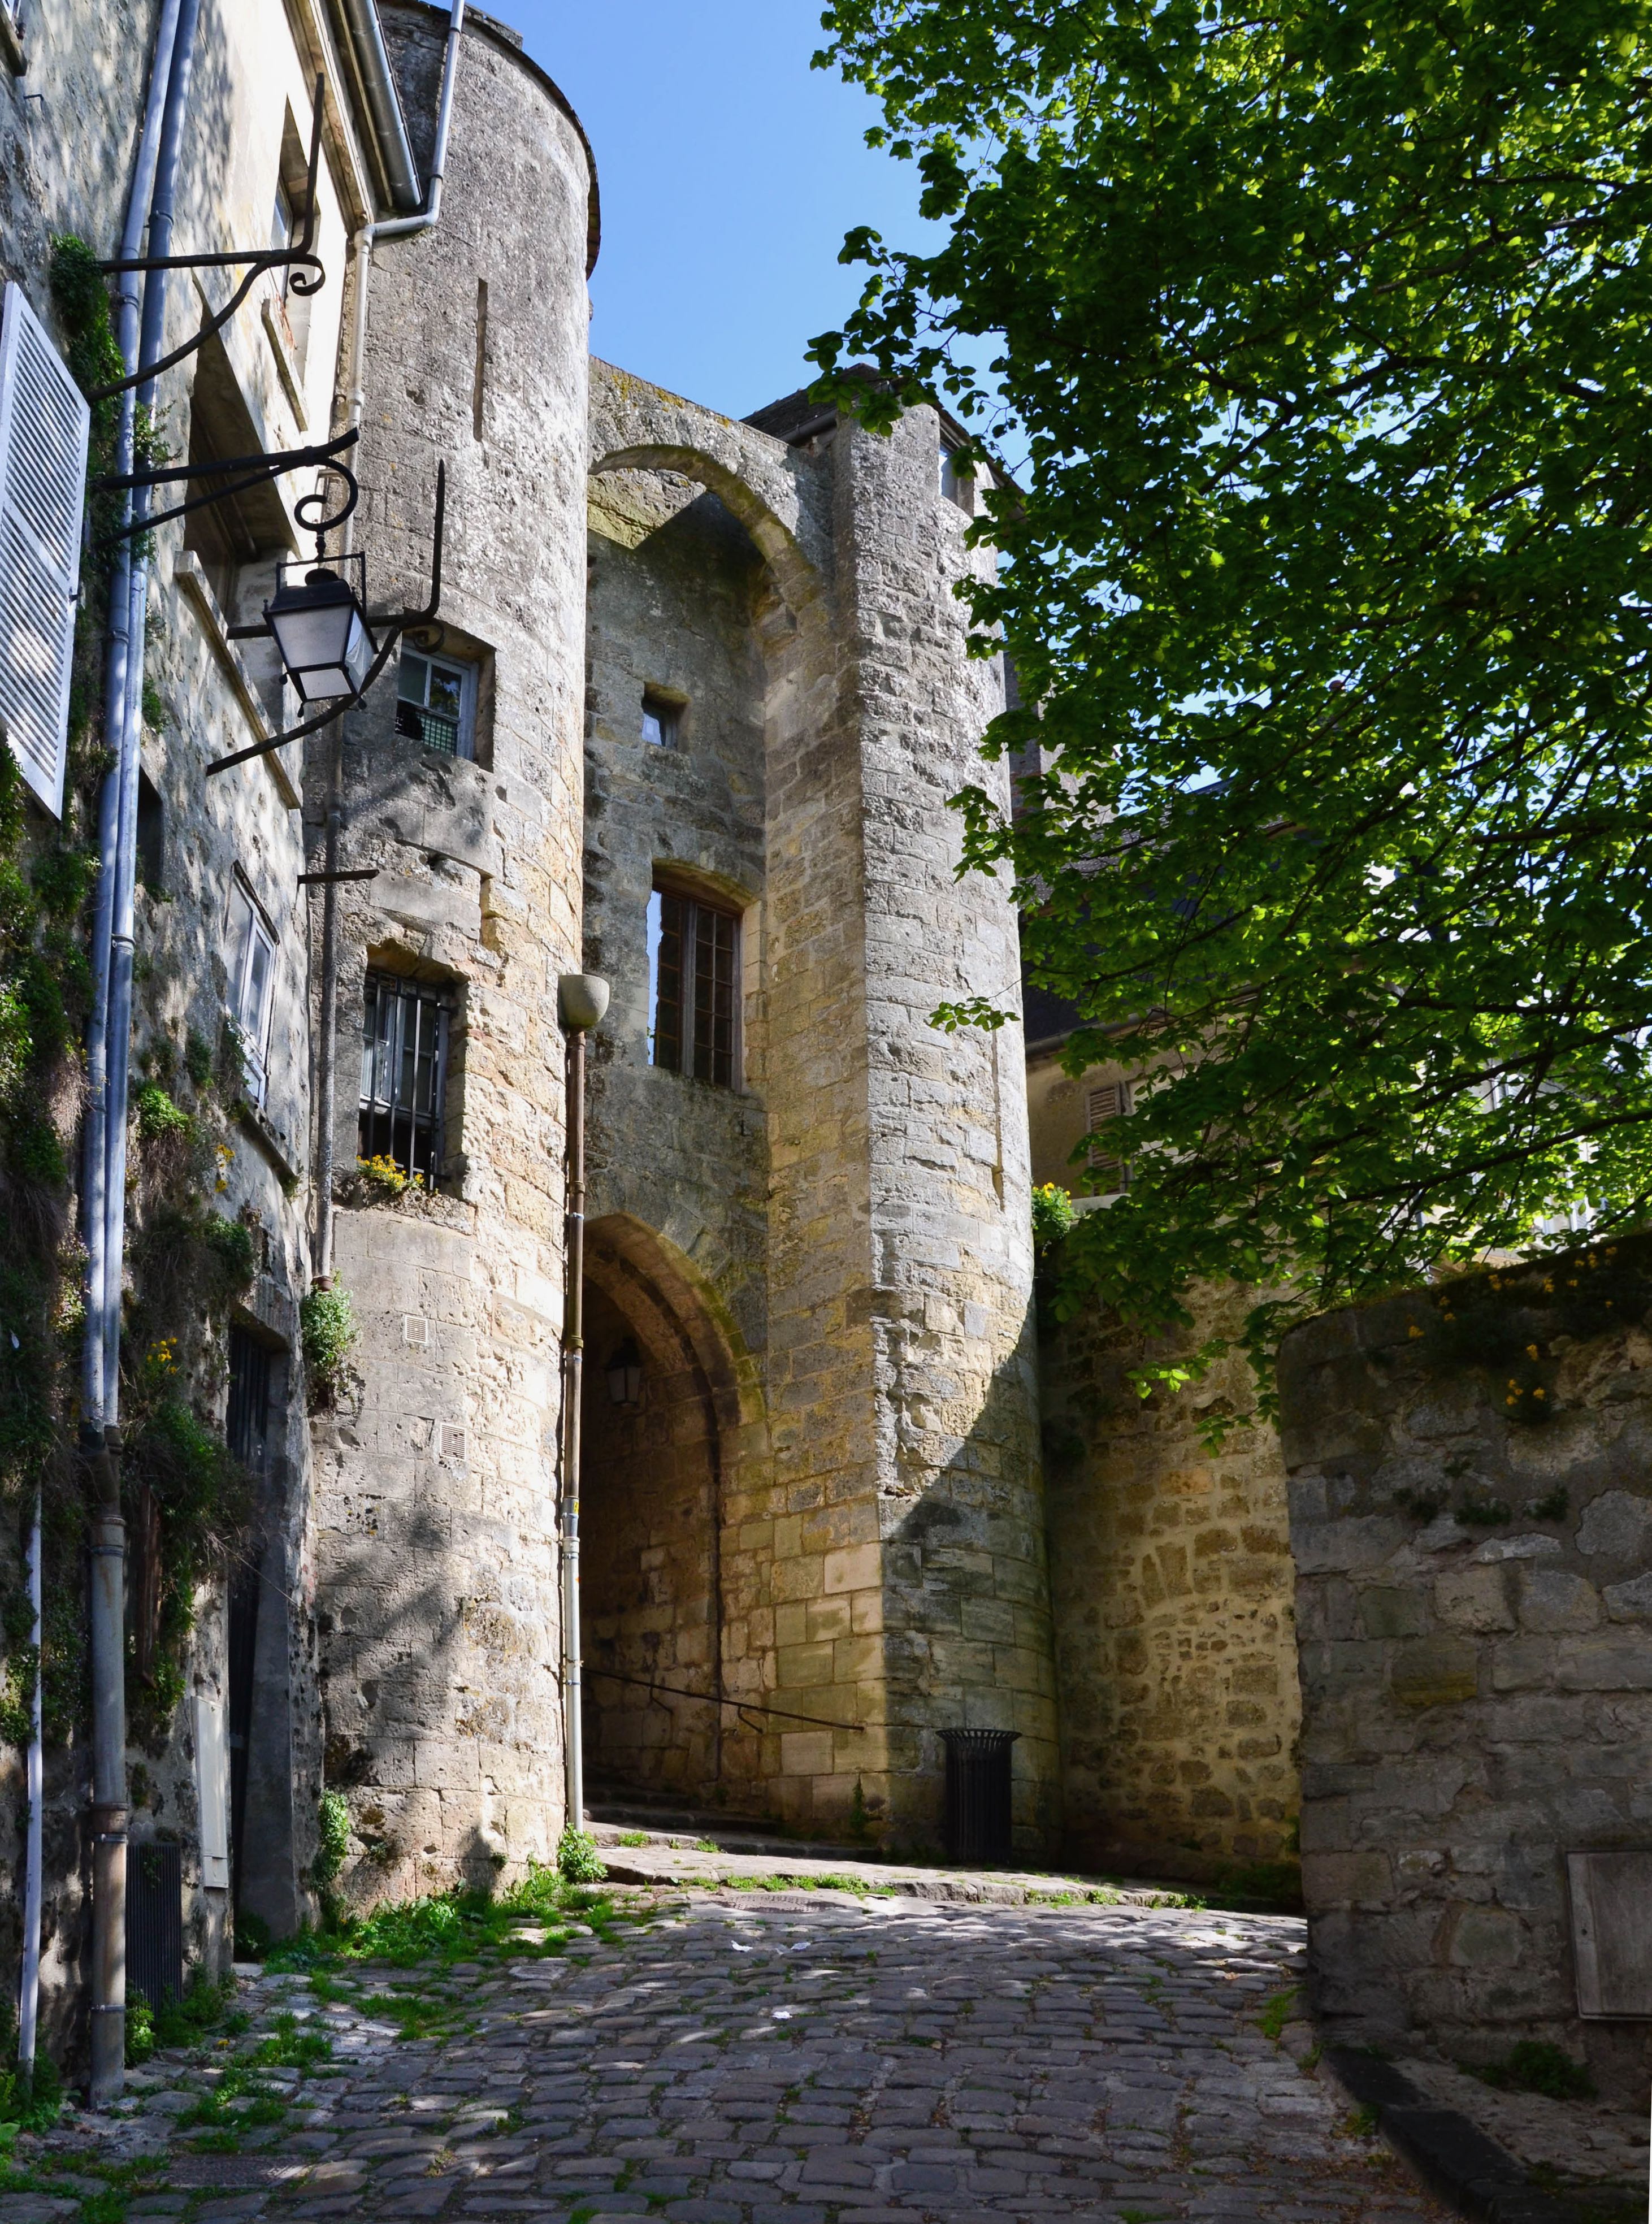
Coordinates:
729	172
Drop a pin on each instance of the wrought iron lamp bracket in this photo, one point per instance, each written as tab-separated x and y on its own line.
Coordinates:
404	622
299	256
259	470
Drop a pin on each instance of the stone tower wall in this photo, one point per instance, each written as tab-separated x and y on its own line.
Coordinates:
880	1537
961	1531
435	1479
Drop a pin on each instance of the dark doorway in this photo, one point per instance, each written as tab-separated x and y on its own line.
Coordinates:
649	1579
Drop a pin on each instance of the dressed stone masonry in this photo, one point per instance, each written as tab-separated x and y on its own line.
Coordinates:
434	1488
1474	1599
842	1241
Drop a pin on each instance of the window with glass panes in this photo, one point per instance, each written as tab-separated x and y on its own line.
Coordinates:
694	988
404	1075
250	949
436	703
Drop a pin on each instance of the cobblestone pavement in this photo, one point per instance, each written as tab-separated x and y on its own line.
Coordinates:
795	2059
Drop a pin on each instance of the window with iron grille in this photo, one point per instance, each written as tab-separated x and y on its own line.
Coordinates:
404	1075
1108	1101
436	703
694	988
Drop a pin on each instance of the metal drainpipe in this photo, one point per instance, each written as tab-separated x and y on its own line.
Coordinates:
328	1051
28	1997
573	1360
582	999
151	346
326	1057
127	304
106	1112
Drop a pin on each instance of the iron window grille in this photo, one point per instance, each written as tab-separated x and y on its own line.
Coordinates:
251	948
404	1075
436	701
694	985
1108	1171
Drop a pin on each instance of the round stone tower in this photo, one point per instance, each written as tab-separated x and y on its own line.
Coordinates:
434	1572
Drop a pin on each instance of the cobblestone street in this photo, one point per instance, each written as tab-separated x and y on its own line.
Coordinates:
802	2058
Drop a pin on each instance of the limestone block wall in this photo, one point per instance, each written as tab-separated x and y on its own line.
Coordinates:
435	1519
1472	1602
1172	1586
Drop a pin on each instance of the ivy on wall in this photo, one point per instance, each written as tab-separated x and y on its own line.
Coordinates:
185	1496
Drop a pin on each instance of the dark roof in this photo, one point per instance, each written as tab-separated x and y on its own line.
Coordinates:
1047	1019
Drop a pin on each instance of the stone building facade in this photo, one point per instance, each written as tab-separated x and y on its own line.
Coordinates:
688	675
688	716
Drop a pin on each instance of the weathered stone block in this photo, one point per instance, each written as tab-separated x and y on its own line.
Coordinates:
1435	1672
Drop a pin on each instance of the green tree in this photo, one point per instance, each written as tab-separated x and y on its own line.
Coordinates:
1325	331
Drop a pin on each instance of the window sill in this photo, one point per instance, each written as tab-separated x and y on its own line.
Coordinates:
11	45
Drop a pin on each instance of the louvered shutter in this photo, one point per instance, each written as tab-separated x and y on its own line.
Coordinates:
1110	1100
44	422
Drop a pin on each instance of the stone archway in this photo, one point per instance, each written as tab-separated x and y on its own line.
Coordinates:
669	1404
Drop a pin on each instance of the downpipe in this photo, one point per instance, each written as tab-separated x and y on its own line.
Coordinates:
582	999
108	1054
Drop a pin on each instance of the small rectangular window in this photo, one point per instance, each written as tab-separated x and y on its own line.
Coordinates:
404	1075
436	703
1108	1101
662	720
956	486
251	951
694	988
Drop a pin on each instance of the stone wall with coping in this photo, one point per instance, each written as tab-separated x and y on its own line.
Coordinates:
1470	1490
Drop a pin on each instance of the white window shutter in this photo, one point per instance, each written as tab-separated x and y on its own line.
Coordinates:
212	1790
1109	1100
44	423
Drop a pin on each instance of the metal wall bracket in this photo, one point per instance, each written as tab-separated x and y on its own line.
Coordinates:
299	256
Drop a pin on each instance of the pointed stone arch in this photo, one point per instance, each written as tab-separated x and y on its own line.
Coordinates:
656	1485
796	577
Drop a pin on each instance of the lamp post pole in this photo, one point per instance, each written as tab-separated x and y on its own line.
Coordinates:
582	999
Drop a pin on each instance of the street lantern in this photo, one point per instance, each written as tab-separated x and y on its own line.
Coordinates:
320	628
625	1374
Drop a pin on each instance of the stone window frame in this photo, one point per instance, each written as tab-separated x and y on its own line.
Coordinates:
257	931
449	644
668	711
703	902
437	1001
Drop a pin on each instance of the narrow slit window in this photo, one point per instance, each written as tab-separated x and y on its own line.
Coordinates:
436	703
404	1075
694	988
662	720
1109	1170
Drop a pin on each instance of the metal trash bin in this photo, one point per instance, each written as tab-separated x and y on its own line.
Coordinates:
978	1796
